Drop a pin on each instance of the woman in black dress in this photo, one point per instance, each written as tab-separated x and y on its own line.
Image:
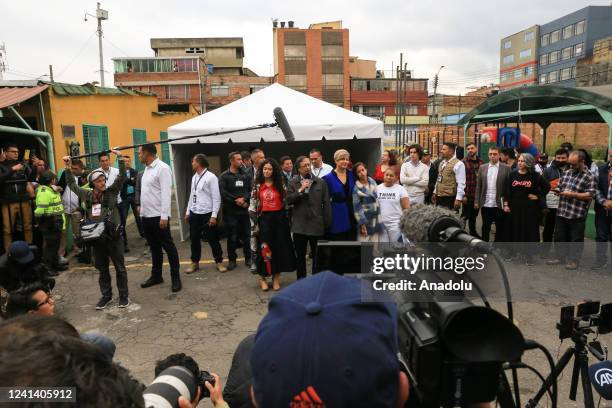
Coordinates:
275	253
524	200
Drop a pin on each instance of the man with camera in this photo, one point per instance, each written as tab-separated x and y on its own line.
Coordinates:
101	207
14	195
178	373
310	212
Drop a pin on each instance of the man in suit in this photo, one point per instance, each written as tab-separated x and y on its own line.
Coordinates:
287	167
490	185
603	213
128	193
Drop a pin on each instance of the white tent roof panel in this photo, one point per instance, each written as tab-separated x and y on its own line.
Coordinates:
309	118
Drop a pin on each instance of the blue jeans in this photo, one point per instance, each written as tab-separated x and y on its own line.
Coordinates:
105	344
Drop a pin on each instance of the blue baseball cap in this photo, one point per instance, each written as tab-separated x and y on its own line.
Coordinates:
20	252
320	344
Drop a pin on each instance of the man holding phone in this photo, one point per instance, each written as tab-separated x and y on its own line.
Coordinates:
576	189
14	195
308	198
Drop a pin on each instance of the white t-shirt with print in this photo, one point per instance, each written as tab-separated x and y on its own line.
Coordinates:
391	207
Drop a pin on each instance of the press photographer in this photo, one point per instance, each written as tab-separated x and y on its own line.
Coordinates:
179	383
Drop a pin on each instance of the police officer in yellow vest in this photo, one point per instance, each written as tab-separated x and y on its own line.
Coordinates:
450	185
49	214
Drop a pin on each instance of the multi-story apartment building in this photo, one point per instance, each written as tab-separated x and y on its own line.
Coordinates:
314	60
204	73
567	39
518	59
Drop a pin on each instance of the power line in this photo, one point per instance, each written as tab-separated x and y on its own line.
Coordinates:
115	47
77	55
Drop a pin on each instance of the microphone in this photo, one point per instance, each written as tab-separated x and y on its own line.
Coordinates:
283	124
428	223
600	375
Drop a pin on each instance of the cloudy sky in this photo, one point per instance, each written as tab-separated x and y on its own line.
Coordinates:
462	35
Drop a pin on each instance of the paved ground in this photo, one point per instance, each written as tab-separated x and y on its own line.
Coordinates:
214	311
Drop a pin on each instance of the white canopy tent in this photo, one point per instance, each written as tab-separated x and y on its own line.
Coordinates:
315	124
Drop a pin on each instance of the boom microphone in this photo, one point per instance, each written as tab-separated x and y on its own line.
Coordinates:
428	223
283	124
600	375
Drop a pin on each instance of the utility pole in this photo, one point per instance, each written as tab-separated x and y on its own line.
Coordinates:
51	73
435	95
3	61
101	14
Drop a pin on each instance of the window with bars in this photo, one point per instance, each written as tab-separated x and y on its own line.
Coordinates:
219	90
95	138
165	148
138	136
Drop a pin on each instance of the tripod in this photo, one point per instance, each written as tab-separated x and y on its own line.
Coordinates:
580	351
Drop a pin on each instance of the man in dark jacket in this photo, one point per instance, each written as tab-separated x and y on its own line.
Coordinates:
433	176
603	213
128	193
14	195
311	213
235	188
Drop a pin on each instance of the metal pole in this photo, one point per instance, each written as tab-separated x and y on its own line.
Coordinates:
99	17
51	73
397	95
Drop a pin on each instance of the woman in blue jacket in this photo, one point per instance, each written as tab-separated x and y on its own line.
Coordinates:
340	183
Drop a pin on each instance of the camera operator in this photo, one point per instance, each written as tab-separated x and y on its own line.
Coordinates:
14	195
185	361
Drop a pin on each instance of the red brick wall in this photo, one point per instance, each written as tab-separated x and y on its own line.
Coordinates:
239	86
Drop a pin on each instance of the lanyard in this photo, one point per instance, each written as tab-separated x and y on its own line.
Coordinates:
318	172
195	189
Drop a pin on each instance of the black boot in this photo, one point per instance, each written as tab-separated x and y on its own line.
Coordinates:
176	283
152	281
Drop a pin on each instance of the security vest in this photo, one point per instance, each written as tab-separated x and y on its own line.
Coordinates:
446	185
48	202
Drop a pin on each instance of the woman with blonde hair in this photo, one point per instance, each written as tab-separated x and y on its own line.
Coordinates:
340	183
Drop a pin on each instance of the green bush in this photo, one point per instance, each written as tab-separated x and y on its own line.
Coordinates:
599	153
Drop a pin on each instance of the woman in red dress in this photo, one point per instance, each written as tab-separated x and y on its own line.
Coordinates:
275	252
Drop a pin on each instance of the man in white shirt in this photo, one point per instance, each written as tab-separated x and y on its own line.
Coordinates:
155	209
110	172
491	181
201	214
414	175
318	167
450	184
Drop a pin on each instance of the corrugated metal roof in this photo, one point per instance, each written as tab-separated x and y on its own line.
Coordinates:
10	96
62	89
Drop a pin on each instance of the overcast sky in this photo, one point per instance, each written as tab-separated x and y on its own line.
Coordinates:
462	35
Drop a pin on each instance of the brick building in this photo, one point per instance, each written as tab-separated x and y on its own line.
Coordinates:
314	60
203	73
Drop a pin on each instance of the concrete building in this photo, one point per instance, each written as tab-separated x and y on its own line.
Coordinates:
518	59
377	98
567	39
596	70
97	118
362	68
203	73
314	60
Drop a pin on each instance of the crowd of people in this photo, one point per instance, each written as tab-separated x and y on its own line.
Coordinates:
277	212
